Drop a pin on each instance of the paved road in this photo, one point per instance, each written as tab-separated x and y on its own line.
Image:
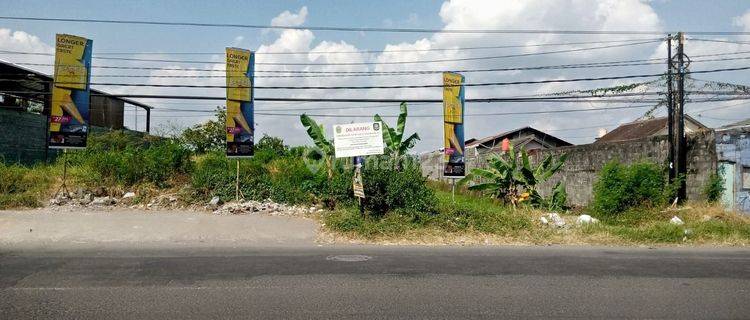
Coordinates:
389	283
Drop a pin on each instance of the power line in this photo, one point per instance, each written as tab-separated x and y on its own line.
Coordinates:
354	100
383	51
485	84
372	29
359	63
719	41
593	64
328	74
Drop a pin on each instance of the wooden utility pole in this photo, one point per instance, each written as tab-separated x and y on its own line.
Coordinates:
670	111
681	163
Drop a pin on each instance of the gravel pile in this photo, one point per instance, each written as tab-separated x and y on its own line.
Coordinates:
264	207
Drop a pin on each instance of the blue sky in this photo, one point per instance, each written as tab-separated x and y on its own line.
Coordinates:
532	14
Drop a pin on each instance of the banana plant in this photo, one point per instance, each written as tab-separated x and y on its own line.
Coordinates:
325	146
512	178
396	146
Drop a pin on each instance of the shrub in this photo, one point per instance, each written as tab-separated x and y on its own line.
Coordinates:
714	187
215	175
388	188
123	158
621	187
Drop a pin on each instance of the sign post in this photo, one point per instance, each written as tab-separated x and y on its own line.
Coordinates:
453	126
240	125
358	140
69	113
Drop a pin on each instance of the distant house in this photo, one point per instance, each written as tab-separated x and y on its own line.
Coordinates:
648	128
527	137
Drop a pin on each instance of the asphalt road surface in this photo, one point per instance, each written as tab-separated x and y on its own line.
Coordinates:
335	282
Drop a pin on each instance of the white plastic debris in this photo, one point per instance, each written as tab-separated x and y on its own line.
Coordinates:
129	195
103	201
586	219
676	221
544	220
214	203
556	219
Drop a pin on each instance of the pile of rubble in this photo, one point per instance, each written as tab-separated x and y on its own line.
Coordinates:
100	197
259	207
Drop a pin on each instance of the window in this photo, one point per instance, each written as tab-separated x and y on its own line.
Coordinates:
745	177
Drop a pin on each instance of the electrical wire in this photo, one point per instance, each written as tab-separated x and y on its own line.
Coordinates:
371	29
388	51
485	84
358	63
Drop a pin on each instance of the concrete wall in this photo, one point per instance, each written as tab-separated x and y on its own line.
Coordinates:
585	161
733	147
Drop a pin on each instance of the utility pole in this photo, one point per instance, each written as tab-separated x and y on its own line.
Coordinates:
670	110
680	117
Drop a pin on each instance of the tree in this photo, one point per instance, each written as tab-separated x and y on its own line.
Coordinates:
325	146
395	145
511	177
207	136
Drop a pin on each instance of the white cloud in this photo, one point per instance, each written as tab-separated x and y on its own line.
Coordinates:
289	19
743	21
21	41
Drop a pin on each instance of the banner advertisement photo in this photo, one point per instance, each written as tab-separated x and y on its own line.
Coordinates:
358	139
453	123
240	125
69	115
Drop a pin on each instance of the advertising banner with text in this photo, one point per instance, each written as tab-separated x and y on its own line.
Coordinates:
453	125
69	115
240	125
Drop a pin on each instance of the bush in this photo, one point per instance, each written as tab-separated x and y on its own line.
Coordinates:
122	158
714	187
388	187
215	175
621	187
22	186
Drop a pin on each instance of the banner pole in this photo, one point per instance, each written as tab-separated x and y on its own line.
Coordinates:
453	190
237	183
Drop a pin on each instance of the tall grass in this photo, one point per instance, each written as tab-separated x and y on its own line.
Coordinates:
22	186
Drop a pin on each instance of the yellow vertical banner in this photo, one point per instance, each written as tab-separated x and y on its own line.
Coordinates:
453	125
69	114
240	65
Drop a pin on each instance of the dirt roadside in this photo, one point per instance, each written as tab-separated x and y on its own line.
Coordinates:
86	227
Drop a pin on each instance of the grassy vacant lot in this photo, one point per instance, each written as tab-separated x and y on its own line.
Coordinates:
476	220
402	207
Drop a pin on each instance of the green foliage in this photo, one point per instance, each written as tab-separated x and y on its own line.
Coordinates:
714	188
395	144
466	214
118	158
388	188
208	136
512	178
621	187
325	147
22	186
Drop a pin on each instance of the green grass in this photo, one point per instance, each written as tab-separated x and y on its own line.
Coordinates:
466	214
22	186
482	218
